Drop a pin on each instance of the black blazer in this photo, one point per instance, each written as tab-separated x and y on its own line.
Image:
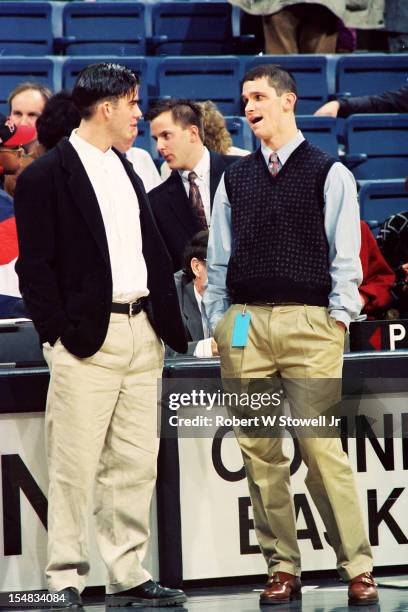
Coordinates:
171	208
64	266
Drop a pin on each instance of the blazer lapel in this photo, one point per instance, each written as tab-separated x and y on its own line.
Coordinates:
178	202
217	167
192	313
83	194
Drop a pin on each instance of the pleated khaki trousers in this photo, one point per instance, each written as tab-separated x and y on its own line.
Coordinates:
304	345
102	444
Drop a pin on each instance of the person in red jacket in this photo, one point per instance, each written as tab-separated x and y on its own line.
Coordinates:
378	276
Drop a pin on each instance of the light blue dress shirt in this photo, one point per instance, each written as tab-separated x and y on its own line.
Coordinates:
342	227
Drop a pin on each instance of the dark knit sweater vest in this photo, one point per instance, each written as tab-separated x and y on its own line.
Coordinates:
279	245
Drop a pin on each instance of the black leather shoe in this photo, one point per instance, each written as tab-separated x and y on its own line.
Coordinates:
67	598
150	594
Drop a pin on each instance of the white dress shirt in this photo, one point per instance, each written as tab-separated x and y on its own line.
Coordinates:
202	170
203	348
144	167
120	213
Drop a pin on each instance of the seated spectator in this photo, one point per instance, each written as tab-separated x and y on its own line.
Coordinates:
58	118
393	243
216	136
378	277
27	101
12	139
190	284
387	102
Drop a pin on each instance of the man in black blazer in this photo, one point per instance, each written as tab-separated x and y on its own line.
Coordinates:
97	281
182	204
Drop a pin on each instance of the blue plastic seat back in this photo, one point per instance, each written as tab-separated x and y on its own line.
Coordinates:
26	28
377	145
192	28
14	71
319	131
201	78
363	75
382	198
98	28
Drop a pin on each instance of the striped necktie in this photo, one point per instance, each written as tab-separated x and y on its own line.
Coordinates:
196	202
274	164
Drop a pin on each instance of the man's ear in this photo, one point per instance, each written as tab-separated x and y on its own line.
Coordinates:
289	101
194	133
105	109
194	264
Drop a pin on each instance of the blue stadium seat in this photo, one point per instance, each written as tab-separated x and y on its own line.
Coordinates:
103	28
320	131
201	78
240	132
192	28
377	145
73	66
26	28
362	75
15	70
381	199
310	73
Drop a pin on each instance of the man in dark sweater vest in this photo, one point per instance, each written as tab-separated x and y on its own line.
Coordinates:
283	262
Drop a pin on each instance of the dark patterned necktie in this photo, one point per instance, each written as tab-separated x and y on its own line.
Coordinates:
274	164
196	202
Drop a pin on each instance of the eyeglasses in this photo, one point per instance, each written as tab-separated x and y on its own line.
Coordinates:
16	151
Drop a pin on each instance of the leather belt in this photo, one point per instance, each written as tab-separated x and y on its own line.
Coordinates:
131	309
276	304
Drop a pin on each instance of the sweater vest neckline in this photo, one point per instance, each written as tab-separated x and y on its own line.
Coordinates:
284	168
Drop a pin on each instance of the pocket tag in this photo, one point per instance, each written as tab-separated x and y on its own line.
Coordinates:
241	329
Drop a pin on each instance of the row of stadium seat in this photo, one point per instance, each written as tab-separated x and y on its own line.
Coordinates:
218	77
380	199
121	28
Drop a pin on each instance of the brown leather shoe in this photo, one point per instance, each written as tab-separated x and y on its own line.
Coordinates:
362	590
281	588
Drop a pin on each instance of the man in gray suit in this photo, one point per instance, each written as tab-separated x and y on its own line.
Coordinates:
191	283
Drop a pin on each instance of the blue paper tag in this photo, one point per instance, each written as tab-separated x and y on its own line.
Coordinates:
241	329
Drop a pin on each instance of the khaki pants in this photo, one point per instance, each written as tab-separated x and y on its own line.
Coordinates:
299	343
300	29
102	443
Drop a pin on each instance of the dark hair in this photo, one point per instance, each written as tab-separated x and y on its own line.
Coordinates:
278	78
184	112
30	86
99	82
197	247
59	117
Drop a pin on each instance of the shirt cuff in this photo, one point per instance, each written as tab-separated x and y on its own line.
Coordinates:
203	349
341	315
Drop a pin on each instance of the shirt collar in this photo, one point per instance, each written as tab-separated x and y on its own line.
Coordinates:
198	296
202	169
87	149
285	151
